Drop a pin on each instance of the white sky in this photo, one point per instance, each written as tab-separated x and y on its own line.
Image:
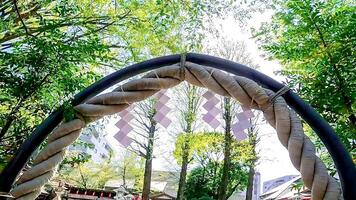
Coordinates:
274	160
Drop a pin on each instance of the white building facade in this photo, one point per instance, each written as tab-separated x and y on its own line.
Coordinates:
97	146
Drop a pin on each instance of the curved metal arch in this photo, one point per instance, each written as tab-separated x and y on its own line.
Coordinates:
340	156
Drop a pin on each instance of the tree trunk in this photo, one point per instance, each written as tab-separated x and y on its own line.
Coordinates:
249	191
226	168
227	151
11	117
148	166
183	172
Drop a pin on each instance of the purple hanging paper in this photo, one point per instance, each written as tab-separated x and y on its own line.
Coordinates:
123	113
212	111
214	100
128	117
214	123
241	116
126	128
160	93
120	135
165	122
158	117
208	118
164	98
121	123
208	95
162	108
209	105
240	135
249	113
126	141
241	125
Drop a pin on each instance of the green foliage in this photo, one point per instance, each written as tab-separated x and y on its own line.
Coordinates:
131	167
51	50
208	145
315	43
204	181
298	186
206	150
198	143
89	174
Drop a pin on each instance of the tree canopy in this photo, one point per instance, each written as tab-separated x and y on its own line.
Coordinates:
51	50
315	43
207	150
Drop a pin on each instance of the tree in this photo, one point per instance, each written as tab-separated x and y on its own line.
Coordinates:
233	50
131	167
144	141
88	175
51	50
202	148
228	109
253	140
205	180
315	43
189	103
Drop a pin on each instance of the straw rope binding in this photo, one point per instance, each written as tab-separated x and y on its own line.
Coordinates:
286	122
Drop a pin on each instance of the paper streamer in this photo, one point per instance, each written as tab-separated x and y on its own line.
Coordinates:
242	123
212	110
125	127
162	110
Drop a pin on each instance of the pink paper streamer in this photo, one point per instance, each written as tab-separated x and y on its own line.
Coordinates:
214	123
208	95
163	109
208	118
126	141
120	135
240	135
165	122
158	117
214	111
209	105
241	125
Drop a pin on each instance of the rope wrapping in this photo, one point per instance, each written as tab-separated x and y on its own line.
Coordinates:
286	122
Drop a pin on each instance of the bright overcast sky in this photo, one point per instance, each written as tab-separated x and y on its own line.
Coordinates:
274	160
274	157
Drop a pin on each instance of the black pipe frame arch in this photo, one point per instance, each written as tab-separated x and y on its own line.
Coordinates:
343	162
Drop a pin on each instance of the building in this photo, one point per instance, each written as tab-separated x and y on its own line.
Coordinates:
269	185
287	191
95	145
163	196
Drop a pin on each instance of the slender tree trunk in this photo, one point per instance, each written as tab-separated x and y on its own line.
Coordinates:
227	151
189	118
250	183
11	117
148	166
124	176
252	135
183	172
226	167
